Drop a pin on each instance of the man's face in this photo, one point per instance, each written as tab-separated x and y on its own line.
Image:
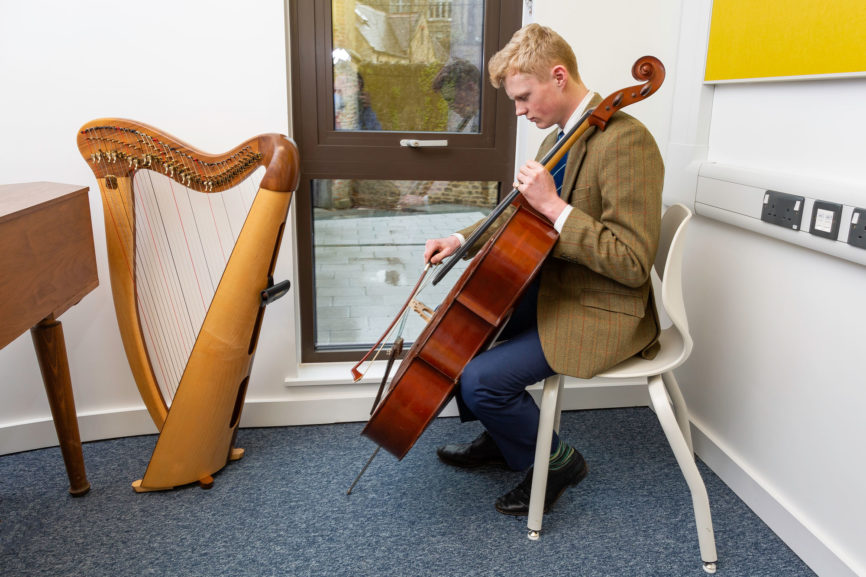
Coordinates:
462	98
466	99
537	100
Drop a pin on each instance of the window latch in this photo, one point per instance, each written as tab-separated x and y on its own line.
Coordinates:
415	143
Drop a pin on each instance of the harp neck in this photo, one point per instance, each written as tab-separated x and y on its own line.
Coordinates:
117	148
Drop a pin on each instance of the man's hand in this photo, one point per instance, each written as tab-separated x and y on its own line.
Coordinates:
537	186
437	249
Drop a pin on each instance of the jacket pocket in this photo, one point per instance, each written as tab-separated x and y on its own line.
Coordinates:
614	302
580	195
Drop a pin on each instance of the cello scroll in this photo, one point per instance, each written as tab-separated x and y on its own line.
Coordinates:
649	69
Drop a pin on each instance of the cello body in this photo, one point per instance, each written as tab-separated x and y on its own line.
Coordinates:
466	323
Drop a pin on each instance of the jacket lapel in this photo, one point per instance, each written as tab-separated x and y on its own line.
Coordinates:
576	156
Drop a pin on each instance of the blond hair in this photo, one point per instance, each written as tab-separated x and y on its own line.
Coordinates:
534	49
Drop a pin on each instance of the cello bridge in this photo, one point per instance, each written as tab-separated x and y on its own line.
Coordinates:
423	310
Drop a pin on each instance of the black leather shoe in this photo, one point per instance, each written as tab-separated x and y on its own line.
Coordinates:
516	501
481	451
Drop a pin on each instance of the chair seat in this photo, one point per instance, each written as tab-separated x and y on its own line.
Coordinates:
671	355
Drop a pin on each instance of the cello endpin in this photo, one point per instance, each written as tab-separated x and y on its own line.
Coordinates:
370	460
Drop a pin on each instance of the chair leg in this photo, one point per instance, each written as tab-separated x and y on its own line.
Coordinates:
680	410
560	383
547	421
685	458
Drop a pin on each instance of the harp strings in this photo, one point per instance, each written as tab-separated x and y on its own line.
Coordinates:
184	239
184	234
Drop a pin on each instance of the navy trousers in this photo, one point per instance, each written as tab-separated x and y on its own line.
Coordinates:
492	388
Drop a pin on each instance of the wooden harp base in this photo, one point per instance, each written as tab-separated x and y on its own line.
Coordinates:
206	482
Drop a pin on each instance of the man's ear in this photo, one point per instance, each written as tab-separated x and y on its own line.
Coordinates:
560	75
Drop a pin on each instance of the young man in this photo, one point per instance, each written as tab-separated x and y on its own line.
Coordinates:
591	305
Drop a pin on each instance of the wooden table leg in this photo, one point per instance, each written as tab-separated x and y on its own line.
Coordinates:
51	353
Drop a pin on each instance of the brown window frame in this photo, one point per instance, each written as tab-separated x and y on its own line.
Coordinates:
326	153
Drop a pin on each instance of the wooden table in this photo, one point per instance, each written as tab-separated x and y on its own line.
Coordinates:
47	264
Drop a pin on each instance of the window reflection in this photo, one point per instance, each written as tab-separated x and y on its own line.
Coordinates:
407	66
352	110
459	84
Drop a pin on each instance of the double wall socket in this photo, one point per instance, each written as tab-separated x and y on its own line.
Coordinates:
783	209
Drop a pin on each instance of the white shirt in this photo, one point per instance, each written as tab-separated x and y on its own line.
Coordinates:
572	121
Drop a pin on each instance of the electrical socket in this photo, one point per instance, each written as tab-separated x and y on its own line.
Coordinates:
857	233
782	209
826	217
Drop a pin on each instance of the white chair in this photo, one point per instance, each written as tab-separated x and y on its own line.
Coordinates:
665	395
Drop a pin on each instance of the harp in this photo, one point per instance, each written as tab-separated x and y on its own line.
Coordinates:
192	242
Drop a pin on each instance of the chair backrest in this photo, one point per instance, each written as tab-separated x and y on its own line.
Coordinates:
669	267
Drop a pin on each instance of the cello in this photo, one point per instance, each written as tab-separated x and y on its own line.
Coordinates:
479	305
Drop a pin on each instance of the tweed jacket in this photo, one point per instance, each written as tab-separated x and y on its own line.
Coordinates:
595	305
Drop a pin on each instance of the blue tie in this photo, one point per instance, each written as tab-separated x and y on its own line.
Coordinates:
558	171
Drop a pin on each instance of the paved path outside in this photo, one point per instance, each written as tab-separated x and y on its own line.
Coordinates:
366	268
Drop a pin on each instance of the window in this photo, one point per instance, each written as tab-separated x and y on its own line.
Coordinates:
402	139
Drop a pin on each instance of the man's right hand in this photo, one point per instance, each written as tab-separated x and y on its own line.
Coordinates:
437	249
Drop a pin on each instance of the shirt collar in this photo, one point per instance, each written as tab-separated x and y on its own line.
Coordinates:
578	112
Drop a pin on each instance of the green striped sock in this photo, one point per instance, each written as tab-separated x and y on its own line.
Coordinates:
560	456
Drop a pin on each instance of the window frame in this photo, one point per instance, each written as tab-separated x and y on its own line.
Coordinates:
327	153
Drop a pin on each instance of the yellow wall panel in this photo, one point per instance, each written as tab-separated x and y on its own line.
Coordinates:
759	39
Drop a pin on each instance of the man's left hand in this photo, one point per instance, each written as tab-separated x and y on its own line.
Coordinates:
537	186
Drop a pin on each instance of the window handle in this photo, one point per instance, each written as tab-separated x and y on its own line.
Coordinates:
415	143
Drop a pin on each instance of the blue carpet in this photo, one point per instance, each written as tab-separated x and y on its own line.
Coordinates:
283	510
